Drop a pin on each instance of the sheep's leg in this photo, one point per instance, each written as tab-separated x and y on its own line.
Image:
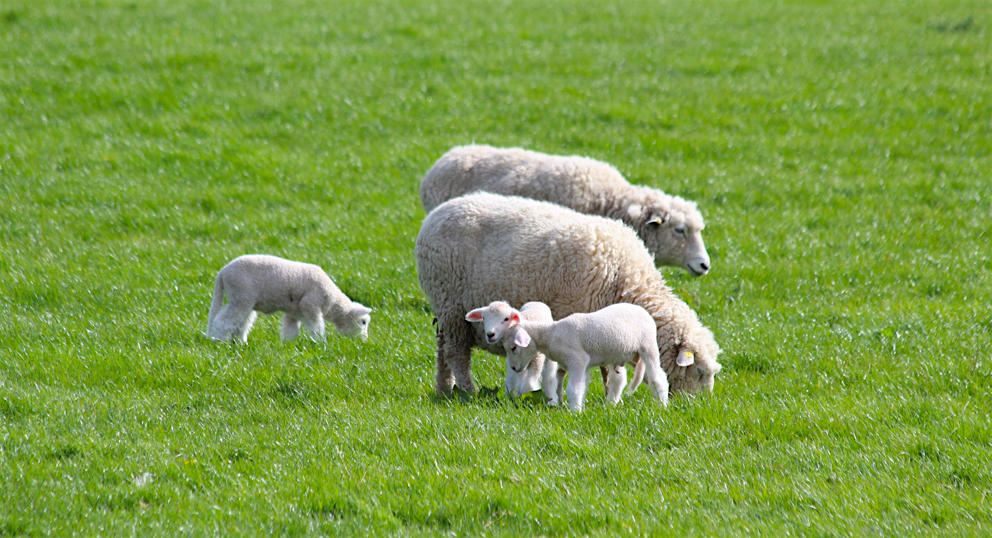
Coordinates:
233	322
576	389
510	384
454	356
638	376
244	328
615	383
313	323
290	326
549	382
655	376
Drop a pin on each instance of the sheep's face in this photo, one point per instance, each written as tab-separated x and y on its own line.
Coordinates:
357	322
694	365
496	318
520	349
674	237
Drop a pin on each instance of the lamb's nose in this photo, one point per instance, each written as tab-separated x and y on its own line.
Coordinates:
491	335
704	266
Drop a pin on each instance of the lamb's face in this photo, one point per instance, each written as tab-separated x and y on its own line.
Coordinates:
675	238
520	349
496	318
358	320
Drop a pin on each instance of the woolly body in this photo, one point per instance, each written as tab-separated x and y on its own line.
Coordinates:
484	247
670	226
267	284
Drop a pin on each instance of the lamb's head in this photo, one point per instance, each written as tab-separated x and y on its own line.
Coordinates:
671	229
520	348
496	317
355	322
692	364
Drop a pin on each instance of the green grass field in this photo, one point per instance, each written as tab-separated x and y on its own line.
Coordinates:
840	152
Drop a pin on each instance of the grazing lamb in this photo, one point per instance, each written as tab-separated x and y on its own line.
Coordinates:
670	226
537	373
614	336
267	284
484	247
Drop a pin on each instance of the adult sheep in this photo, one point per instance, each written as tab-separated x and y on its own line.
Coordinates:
483	247
670	226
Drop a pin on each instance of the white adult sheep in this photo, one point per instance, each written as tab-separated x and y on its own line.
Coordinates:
670	226
485	247
302	291
611	336
495	319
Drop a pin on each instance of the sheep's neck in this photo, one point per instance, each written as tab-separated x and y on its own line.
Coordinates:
539	332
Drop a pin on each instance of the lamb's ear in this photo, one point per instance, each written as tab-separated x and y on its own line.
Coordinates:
359	309
522	339
634	211
514	318
475	316
685	358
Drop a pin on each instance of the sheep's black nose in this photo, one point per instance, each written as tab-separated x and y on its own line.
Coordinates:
704	266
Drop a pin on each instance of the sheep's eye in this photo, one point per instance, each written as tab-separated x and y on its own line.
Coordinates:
506	318
680	231
513	348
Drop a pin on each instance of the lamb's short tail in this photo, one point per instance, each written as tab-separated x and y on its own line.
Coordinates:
216	303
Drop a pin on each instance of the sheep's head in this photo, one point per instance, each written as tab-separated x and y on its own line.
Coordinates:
672	232
520	348
692	365
496	318
356	321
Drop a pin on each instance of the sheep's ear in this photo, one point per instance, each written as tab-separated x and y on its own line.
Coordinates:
514	317
361	309
657	219
474	316
634	211
685	358
522	339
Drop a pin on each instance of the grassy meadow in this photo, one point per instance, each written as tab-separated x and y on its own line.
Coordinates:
840	152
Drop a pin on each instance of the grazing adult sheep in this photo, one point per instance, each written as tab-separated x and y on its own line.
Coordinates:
670	226
611	336
302	291
484	247
530	377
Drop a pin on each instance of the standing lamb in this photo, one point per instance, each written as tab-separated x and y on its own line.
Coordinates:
614	336
496	319
484	247
268	284
670	226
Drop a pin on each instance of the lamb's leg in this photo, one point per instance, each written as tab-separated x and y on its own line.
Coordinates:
550	384
576	389
638	376
615	383
313	323
233	322
244	328
656	379
290	326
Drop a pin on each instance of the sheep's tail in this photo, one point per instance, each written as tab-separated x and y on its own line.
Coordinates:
216	303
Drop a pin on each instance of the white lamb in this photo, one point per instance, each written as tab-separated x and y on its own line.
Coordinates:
670	226
267	284
485	247
501	323
496	318
612	336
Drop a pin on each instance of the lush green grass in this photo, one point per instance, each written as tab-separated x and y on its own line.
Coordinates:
840	152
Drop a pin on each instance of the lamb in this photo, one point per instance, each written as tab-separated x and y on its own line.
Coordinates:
302	291
484	247
537	373
670	226
614	335
501	322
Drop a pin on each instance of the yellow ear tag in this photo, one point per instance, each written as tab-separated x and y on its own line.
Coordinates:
690	355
